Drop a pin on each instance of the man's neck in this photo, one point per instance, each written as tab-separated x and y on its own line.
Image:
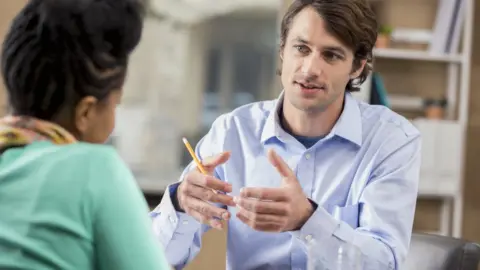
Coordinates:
310	124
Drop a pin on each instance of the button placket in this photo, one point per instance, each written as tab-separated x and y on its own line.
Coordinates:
308	238
306	172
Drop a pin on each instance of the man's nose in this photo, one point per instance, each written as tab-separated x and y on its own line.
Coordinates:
312	65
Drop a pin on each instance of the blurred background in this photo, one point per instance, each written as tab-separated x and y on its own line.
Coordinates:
201	58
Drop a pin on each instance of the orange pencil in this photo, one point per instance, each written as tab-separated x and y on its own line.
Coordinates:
192	153
197	161
199	164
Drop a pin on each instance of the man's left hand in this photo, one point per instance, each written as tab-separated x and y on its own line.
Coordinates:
281	209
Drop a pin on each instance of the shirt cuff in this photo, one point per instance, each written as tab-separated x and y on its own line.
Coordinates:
167	221
319	226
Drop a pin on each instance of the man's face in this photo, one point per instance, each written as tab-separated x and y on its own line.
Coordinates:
316	66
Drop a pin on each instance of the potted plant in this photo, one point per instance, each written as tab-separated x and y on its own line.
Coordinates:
383	38
435	108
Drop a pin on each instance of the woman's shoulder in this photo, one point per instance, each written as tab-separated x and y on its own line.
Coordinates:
79	157
96	169
92	151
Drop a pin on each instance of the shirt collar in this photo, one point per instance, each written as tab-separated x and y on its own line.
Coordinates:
272	127
348	126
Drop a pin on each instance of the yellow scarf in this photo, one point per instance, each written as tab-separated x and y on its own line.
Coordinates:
22	130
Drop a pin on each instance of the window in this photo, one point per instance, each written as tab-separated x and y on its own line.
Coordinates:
236	75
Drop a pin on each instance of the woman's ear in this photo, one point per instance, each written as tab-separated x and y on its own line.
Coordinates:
85	114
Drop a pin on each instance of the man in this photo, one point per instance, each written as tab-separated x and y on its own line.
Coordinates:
315	165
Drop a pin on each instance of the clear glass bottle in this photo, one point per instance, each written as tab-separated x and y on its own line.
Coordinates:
345	257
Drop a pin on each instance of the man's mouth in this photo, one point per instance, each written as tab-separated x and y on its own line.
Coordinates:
308	86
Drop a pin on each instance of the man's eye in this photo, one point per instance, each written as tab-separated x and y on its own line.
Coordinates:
331	56
301	48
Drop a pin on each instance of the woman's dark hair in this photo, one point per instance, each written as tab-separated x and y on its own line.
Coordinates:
59	51
351	21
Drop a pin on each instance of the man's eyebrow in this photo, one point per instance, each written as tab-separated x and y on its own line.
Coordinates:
301	40
336	49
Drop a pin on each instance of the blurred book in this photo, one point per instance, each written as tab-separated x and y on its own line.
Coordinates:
447	28
378	94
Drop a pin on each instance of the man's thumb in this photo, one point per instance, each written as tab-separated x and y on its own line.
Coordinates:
211	162
281	166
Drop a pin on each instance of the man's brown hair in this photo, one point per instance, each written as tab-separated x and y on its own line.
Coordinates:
350	21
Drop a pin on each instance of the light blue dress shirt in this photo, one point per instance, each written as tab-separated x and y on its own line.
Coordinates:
363	175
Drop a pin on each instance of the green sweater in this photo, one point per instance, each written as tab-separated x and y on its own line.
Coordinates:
73	207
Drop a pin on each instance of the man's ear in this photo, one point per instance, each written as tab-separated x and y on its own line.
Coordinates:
358	70
280	52
279	64
84	113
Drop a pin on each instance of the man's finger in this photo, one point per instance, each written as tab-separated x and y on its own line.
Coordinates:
211	162
259	226
281	166
267	194
208	181
207	210
215	223
223	199
262	207
259	218
207	194
198	216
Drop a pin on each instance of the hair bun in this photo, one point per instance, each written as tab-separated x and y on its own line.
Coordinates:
57	16
64	5
107	25
59	12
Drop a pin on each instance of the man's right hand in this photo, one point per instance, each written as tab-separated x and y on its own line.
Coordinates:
197	192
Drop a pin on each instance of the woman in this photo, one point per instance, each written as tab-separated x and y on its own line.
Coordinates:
66	200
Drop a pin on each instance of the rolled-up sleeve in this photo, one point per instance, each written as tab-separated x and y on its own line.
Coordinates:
176	231
385	213
179	233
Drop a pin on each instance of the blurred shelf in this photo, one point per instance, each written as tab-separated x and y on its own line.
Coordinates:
429	189
432	232
405	103
156	185
151	187
416	55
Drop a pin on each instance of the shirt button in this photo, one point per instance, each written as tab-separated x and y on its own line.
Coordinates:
308	237
185	222
307	156
172	219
